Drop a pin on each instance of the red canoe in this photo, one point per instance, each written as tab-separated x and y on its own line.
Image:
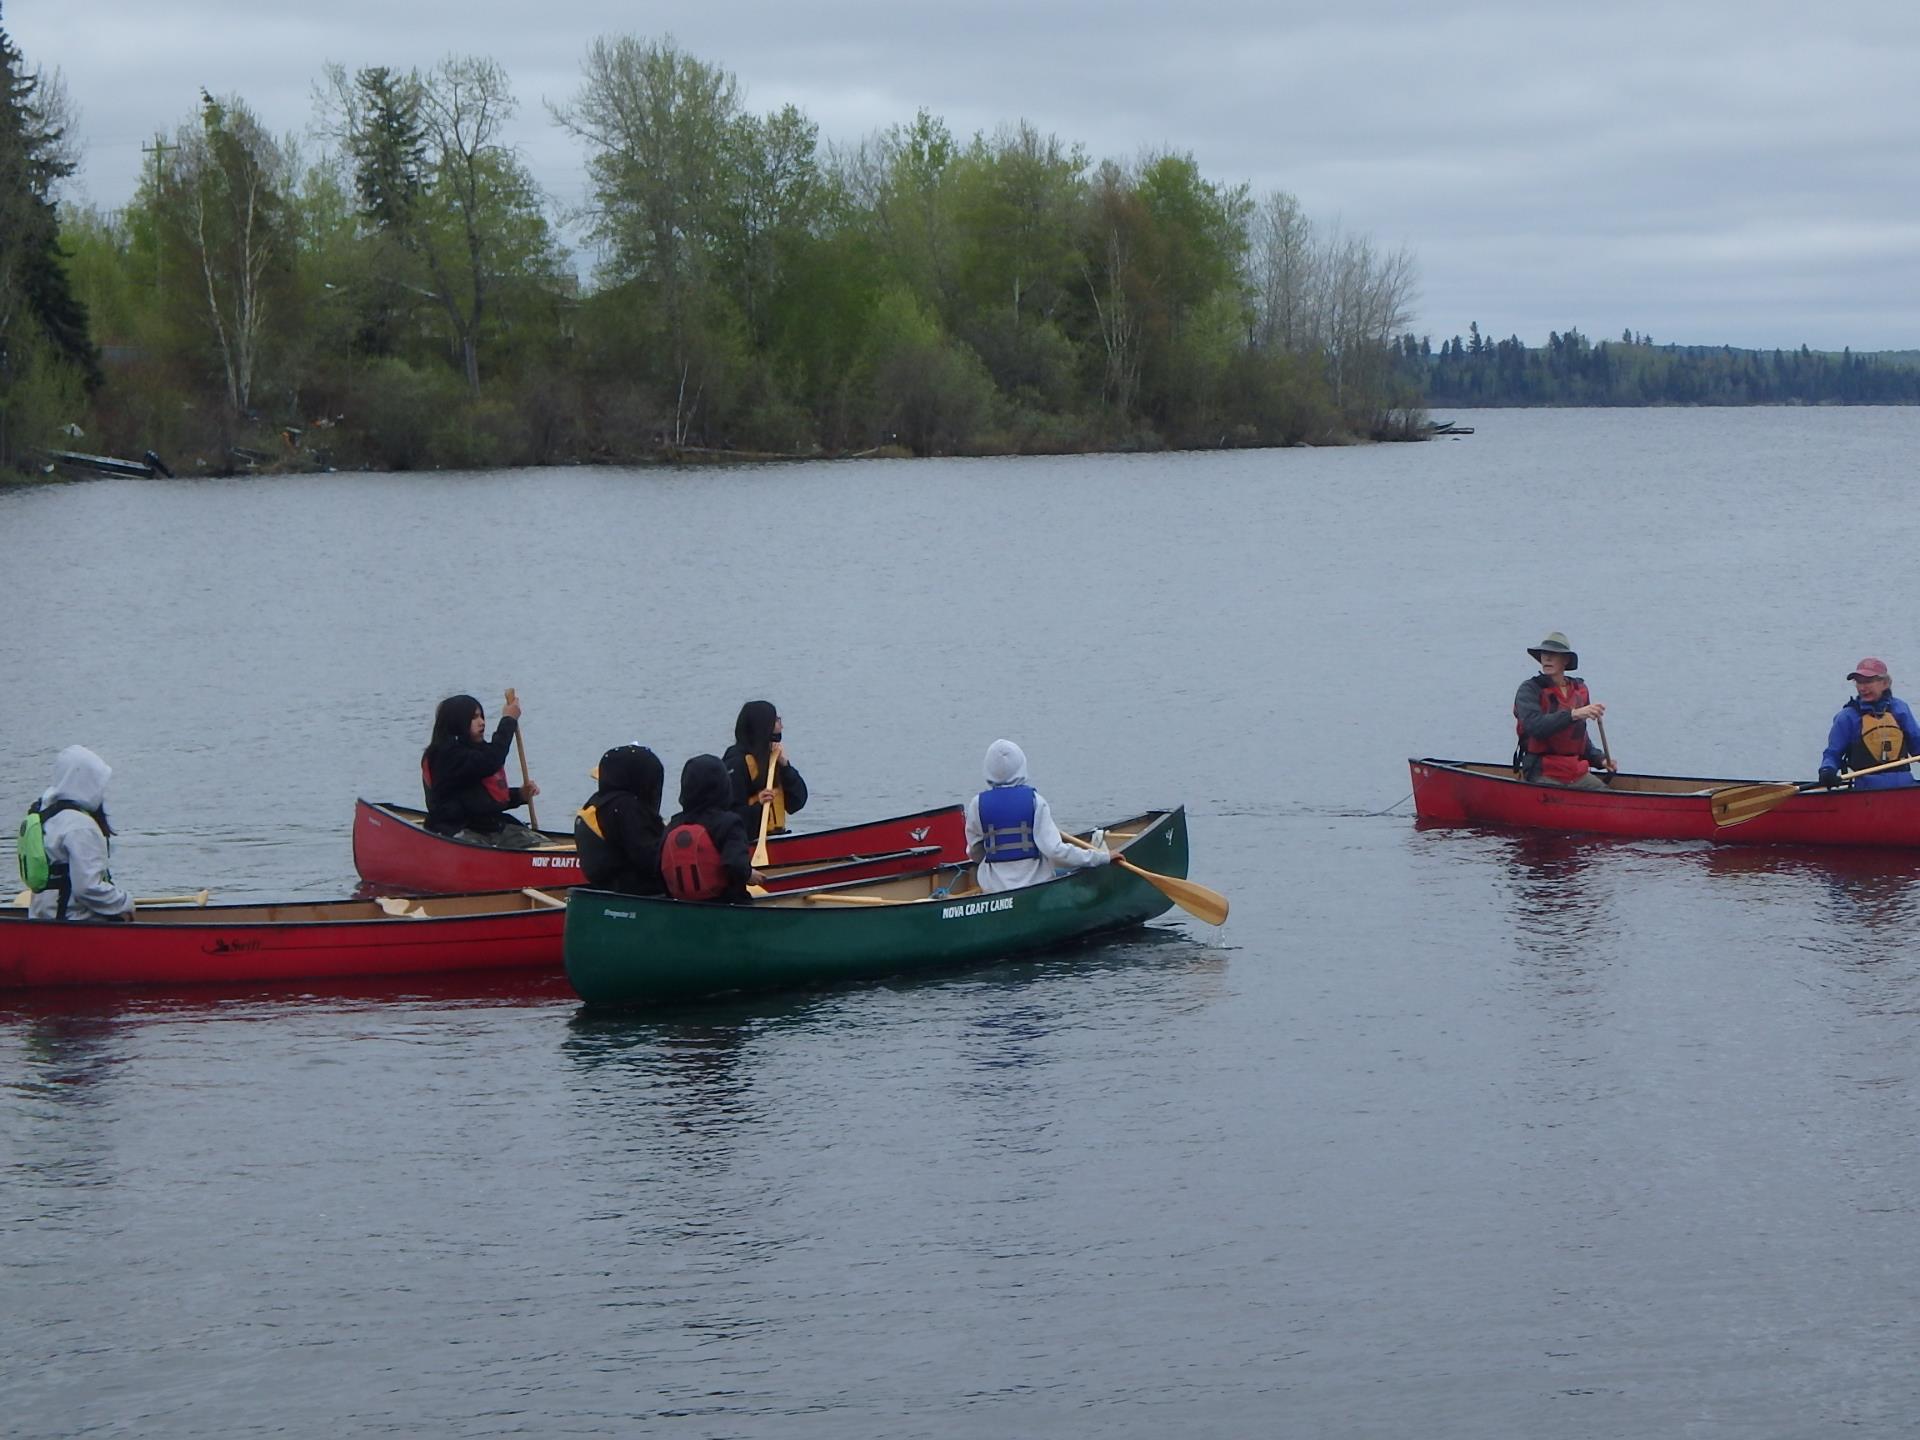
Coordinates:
1660	807
393	851
328	939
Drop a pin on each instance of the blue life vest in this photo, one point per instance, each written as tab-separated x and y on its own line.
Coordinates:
1006	823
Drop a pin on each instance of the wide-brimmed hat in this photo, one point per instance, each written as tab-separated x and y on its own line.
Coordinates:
1870	669
1556	643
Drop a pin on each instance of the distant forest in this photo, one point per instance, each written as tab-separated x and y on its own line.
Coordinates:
391	290
1572	370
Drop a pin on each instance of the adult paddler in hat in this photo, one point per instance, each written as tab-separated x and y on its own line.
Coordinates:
1550	715
1871	729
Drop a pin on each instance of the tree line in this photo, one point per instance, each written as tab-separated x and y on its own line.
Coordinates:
1572	370
393	291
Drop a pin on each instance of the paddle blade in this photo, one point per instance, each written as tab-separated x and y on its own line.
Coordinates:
1738	804
1190	895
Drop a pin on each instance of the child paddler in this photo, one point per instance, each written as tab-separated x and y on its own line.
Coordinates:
465	778
707	853
70	844
1011	830
619	830
758	735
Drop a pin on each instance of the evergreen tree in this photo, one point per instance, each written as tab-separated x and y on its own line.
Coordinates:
43	326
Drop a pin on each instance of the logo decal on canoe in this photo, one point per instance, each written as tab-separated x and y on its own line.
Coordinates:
918	835
556	862
976	907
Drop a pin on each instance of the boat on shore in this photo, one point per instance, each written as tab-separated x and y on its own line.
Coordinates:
393	850
1662	807
303	940
623	950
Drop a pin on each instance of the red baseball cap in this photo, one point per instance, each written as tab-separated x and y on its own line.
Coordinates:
1870	669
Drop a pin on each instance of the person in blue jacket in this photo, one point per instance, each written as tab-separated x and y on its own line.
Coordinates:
1871	729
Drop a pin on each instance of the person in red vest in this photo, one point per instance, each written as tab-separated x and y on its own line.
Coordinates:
1550	715
465	778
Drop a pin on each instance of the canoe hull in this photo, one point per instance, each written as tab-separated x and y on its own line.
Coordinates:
1454	792
626	952
393	852
216	948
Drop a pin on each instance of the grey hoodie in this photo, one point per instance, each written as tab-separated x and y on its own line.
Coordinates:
80	776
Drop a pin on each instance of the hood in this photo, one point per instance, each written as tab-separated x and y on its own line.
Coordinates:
634	769
705	785
1006	764
81	776
753	731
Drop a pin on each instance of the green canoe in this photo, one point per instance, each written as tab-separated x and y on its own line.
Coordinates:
634	950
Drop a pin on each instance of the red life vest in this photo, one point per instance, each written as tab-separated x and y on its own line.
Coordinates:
690	864
495	785
1563	754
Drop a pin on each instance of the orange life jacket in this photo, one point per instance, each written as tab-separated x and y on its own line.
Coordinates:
1563	754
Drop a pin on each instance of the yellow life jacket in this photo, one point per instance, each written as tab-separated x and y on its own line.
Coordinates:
779	794
1881	737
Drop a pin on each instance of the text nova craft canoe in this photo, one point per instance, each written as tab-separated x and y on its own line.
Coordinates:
1660	807
393	851
623	951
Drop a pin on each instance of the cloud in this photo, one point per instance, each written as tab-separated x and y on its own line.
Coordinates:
1719	170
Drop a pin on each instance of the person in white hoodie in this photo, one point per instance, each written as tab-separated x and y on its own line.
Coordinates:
1011	830
76	831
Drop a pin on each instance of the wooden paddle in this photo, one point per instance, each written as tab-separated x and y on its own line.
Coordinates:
766	812
198	897
759	892
820	897
520	749
1737	804
1605	752
1191	896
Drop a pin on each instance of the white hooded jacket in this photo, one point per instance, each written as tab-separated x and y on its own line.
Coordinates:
79	776
1006	764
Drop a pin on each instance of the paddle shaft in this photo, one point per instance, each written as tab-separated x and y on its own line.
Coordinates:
199	897
520	749
766	810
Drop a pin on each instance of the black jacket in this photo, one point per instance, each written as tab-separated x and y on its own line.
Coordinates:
706	800
455	782
625	854
792	787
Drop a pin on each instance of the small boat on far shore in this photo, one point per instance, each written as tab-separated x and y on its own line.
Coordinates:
1663	807
73	462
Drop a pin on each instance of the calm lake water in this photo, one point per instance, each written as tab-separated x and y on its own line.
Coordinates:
1446	1134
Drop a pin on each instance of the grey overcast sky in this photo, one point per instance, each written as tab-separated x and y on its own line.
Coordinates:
1705	171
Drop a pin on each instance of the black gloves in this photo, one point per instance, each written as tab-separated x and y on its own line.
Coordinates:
1829	777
